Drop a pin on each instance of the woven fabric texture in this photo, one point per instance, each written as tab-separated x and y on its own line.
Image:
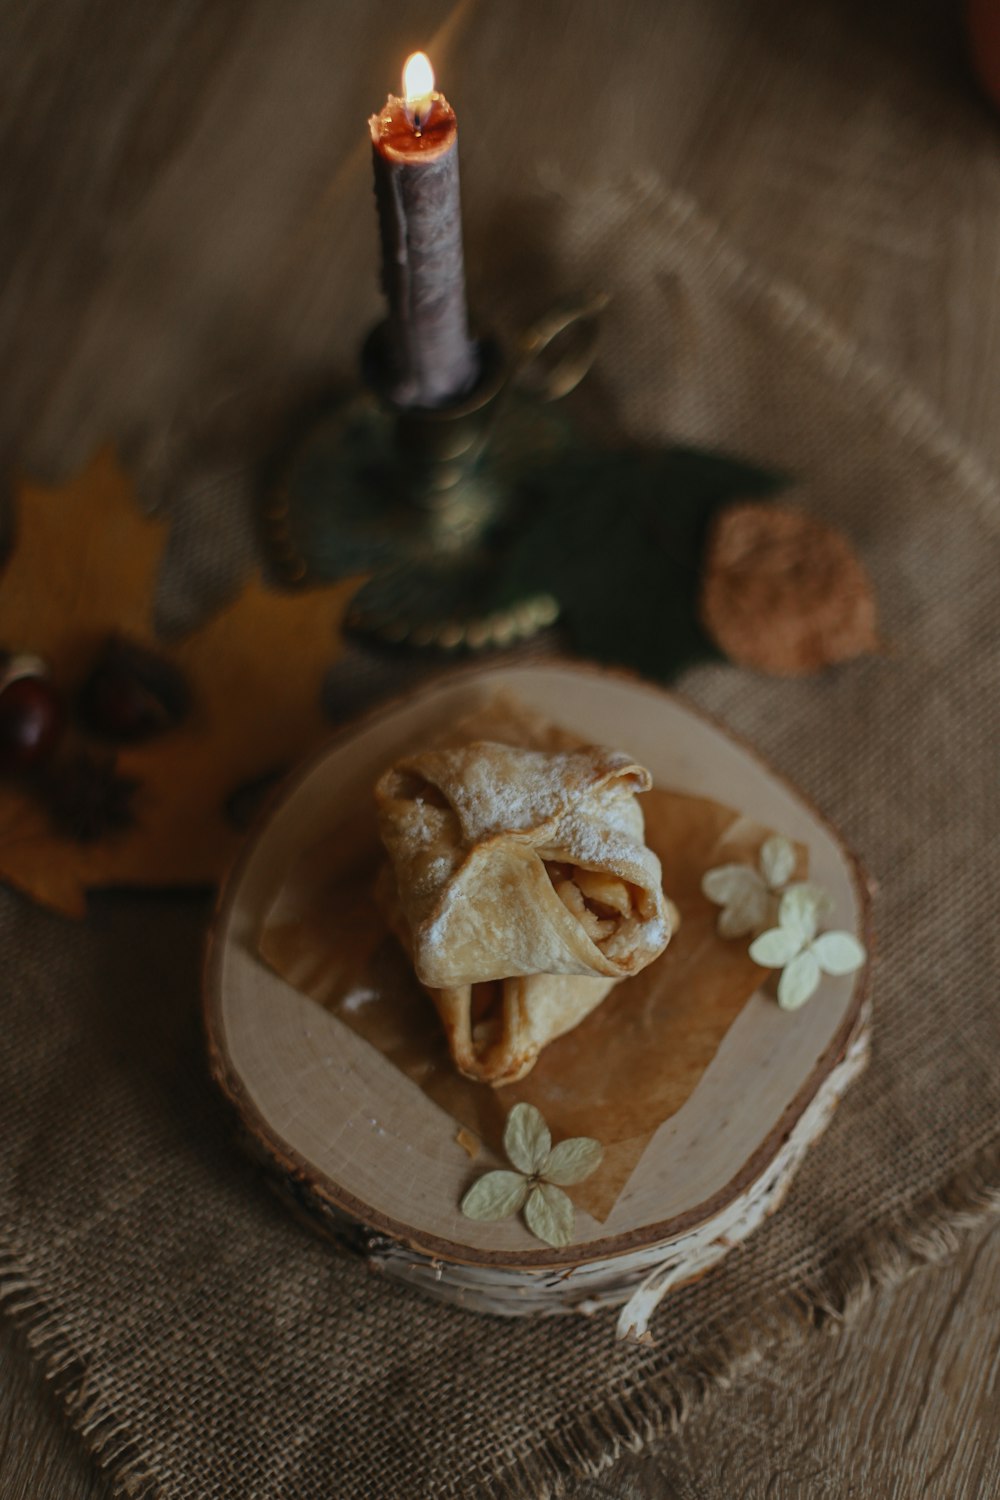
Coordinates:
204	1343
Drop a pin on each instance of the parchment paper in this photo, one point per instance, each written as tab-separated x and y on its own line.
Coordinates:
625	1069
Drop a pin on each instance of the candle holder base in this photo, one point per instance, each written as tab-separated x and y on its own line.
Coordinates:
421	500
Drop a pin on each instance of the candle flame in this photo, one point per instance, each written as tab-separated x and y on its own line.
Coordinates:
418	78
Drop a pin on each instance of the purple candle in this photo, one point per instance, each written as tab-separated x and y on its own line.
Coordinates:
432	360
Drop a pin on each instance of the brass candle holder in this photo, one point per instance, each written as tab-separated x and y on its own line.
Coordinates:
420	499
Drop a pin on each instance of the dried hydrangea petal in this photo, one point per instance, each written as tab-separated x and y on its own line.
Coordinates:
526	1138
745	915
573	1160
495	1196
729	884
838	952
777	861
799	912
548	1213
818	894
775	948
798	981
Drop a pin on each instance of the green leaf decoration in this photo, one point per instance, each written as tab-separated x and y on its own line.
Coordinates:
617	538
526	1139
548	1214
573	1160
495	1196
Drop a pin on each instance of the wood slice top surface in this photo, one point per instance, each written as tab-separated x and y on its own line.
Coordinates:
333	1114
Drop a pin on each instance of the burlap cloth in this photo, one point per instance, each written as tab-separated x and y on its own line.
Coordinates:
204	1343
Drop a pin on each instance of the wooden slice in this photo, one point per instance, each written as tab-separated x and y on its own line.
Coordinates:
377	1163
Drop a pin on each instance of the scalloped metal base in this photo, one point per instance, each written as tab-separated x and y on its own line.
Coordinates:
349	501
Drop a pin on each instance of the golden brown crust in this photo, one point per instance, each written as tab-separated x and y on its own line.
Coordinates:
482	835
502	1043
325	1196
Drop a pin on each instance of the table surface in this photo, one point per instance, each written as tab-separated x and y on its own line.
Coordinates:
843	145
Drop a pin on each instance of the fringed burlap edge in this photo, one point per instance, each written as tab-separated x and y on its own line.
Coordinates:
77	1388
924	1233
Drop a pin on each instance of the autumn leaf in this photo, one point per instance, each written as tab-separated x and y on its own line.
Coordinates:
83	567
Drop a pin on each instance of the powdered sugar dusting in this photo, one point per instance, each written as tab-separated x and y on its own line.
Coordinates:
472	831
499	789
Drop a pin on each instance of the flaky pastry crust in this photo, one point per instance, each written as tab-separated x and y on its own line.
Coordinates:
484	840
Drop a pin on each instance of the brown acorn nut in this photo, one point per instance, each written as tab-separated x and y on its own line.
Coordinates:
31	713
784	593
87	799
132	694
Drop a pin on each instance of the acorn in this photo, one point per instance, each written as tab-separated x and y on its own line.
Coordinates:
31	713
132	694
87	798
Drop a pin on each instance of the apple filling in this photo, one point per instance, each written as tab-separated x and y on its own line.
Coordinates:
486	1014
599	901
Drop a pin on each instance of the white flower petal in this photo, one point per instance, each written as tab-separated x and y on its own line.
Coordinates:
746	914
526	1138
775	948
777	860
729	884
495	1196
838	952
571	1161
548	1213
735	922
798	981
808	889
801	907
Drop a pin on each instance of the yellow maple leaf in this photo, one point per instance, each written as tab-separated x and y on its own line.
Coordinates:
84	567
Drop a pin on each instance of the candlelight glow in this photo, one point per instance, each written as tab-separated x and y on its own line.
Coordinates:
418	78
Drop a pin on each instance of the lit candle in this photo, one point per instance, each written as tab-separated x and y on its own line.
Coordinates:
431	359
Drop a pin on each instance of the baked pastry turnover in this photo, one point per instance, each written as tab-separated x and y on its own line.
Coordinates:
521	888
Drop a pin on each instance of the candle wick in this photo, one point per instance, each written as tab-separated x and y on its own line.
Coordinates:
418	117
